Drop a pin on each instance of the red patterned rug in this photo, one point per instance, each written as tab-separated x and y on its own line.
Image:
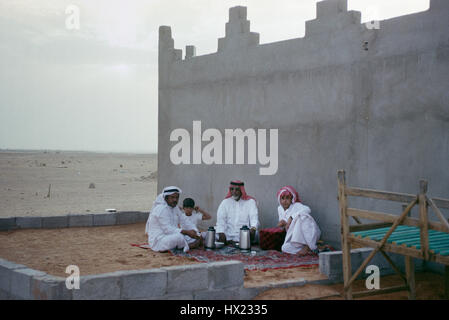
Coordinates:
256	259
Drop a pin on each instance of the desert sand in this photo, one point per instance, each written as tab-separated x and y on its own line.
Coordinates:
45	183
79	182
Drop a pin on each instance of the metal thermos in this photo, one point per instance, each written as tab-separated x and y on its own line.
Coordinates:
210	238
245	239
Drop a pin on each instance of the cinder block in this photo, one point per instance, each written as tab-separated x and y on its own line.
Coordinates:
331	263
104	219
6	270
55	222
174	296
223	294
187	278
21	282
250	293
49	287
29	222
98	287
4	295
81	220
226	274
127	217
7	224
142	284
143	216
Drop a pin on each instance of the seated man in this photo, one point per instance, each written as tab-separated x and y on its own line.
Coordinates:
236	210
167	226
302	230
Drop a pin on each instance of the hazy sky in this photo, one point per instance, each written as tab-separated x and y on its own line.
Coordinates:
95	89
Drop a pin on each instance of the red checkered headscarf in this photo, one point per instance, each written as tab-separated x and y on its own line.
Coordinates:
238	183
288	190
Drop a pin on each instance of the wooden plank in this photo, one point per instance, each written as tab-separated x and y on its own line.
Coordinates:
438	213
394	266
387	247
410	275
423	219
346	244
378	194
368	226
441	203
361	294
446	282
386	217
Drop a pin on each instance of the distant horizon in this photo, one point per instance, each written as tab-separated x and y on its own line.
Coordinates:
72	151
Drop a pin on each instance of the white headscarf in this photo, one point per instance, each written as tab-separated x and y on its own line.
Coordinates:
160	200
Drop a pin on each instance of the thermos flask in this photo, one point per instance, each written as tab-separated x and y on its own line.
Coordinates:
245	239
210	238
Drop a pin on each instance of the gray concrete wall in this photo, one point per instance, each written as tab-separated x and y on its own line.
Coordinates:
371	102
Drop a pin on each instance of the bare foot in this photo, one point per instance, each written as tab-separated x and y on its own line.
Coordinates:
304	251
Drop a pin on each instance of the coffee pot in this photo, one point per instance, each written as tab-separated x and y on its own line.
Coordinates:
245	238
210	238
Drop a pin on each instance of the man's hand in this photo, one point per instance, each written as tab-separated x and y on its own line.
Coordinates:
191	233
282	224
222	238
289	222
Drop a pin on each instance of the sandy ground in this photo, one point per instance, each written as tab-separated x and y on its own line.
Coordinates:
126	182
429	286
107	249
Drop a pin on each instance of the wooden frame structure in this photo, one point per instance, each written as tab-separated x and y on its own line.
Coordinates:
421	251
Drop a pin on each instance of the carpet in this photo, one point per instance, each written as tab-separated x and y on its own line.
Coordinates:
256	259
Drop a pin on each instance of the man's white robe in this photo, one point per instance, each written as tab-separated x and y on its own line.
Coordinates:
302	231
232	215
164	227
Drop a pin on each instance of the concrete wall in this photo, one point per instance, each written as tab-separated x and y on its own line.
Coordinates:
371	102
204	281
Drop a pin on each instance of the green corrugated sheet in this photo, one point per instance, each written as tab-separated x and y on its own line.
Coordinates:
410	237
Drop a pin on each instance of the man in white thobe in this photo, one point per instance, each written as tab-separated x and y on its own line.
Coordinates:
302	230
167	226
235	211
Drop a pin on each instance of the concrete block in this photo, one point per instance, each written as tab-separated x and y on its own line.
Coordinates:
6	270
4	295
127	217
21	282
49	287
98	287
104	219
142	284
174	296
29	222
223	294
7	224
226	274
55	222
81	220
250	293
187	278
331	263
143	216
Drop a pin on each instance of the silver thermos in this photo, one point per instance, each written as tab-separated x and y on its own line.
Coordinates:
210	238
245	238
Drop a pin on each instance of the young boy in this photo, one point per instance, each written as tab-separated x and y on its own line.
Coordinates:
188	206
